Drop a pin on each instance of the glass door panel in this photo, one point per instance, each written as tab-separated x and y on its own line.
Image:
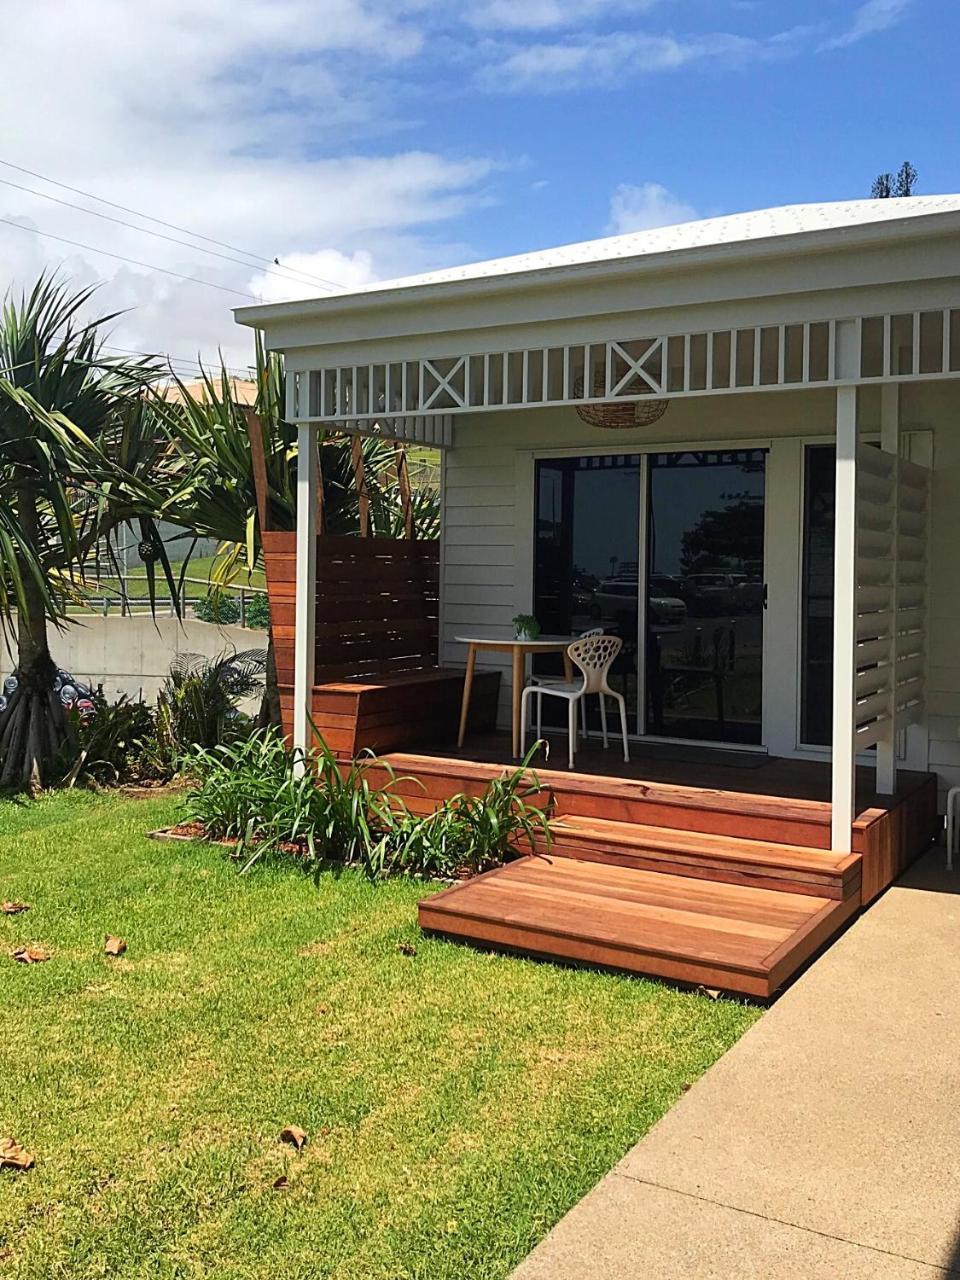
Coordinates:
705	595
586	564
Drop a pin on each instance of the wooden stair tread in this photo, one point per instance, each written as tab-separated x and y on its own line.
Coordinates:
703	844
729	935
612	788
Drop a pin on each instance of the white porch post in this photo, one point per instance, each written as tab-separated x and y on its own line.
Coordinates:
306	597
843	792
890	443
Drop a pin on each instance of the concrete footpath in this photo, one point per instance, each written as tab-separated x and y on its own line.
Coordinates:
825	1145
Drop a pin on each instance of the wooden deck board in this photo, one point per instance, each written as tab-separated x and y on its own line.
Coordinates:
740	939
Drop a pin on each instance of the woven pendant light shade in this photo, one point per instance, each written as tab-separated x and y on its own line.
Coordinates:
617	415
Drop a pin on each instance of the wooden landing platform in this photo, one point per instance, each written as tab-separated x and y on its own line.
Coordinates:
690	930
679	879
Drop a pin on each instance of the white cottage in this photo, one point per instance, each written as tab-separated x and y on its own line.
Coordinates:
731	444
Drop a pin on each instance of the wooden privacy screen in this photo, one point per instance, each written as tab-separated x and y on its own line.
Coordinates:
376	605
376	680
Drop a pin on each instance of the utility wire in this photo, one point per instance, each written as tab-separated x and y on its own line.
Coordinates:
120	222
119	257
183	362
172	226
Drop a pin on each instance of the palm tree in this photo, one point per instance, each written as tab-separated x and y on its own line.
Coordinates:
65	413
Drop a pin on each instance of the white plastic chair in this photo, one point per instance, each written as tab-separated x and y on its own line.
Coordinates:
594	656
561	680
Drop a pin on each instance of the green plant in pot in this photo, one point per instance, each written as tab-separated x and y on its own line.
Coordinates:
526	627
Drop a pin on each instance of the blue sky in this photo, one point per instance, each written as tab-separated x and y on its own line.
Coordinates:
784	102
363	139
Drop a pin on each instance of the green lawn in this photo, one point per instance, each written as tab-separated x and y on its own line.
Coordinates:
457	1103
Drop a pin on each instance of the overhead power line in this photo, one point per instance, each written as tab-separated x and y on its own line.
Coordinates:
183	362
172	226
119	257
280	273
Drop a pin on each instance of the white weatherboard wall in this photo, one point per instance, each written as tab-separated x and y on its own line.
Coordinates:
487	552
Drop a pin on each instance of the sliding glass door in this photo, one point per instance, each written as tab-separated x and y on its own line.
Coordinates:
705	595
689	543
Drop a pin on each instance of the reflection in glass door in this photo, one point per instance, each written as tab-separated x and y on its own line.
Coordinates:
586	563
705	595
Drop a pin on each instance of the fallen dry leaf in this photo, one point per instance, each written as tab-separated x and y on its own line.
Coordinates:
406	948
13	1156
13	908
114	946
282	1183
30	955
293	1134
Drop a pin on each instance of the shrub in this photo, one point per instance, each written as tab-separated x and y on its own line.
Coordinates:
199	702
108	744
250	791
257	612
217	606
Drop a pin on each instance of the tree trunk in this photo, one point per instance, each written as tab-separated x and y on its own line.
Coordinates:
33	727
270	704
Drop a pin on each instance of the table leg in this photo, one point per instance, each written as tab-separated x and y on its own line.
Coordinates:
519	670
567	667
467	686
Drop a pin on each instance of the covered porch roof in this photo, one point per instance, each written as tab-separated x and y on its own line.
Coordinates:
803	296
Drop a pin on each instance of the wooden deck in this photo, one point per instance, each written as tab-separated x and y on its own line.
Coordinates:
673	871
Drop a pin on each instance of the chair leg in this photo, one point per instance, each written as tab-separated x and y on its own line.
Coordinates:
623	726
572	728
539	714
603	717
524	713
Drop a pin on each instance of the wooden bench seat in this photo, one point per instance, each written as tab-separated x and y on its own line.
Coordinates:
398	710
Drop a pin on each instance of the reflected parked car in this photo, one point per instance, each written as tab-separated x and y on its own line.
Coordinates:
617	602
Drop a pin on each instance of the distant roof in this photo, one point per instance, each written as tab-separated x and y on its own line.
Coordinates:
242	389
735	228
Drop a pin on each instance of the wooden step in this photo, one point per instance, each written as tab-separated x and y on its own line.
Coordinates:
729	936
780	819
762	864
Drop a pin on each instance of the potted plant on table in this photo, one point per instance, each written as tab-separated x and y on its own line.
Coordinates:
526	627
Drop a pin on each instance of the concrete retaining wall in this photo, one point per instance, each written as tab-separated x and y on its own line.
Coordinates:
133	655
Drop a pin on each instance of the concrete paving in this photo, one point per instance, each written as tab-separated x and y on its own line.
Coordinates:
826	1143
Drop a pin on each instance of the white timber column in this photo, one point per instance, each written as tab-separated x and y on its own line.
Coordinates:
890	443
843	791
306	597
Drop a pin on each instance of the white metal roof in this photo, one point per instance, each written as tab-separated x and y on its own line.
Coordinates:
736	228
786	230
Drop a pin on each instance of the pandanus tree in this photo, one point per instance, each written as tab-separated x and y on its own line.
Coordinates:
221	445
73	466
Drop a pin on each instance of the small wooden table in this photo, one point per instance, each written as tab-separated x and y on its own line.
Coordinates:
518	649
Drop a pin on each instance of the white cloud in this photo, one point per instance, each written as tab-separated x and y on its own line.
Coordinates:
872	17
326	268
638	208
542	15
228	119
556	66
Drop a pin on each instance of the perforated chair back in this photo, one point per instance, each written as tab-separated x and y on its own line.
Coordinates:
594	656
